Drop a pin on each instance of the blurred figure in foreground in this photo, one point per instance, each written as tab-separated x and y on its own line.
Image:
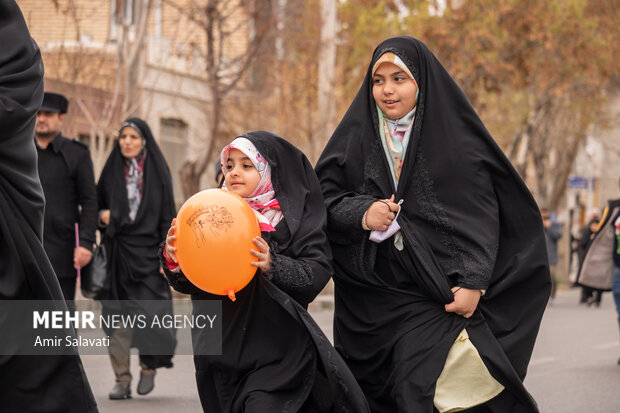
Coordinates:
51	383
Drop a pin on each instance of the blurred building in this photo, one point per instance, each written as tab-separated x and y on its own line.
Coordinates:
594	180
85	44
596	172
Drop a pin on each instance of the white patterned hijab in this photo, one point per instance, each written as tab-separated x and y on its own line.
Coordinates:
395	133
263	199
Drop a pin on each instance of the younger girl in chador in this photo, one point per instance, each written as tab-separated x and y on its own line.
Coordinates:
274	357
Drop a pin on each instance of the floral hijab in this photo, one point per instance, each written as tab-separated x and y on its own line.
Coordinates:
395	133
134	168
263	199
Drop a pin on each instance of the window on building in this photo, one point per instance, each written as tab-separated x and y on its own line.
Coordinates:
129	11
120	10
82	137
173	141
86	138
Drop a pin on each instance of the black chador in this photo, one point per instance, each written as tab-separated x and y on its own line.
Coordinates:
467	220
274	356
28	383
131	244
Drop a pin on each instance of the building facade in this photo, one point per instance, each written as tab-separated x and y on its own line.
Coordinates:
89	51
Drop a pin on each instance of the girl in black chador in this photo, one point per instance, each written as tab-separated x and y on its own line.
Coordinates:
441	273
136	204
274	357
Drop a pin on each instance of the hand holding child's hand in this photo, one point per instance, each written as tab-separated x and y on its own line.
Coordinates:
465	301
381	214
264	257
171	251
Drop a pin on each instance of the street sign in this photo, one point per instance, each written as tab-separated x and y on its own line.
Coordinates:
581	182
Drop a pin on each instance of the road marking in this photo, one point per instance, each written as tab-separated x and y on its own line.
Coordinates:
605	346
542	360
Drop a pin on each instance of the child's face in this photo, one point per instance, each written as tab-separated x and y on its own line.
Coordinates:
393	90
241	176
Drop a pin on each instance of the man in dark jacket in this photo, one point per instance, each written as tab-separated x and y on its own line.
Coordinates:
68	181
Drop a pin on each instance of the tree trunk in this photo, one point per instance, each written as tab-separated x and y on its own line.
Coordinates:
132	56
327	64
190	179
193	170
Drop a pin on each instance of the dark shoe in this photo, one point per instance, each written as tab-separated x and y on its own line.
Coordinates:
120	391
618	362
147	382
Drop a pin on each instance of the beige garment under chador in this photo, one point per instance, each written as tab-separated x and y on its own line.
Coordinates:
119	350
465	381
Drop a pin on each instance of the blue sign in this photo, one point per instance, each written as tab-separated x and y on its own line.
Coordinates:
580	182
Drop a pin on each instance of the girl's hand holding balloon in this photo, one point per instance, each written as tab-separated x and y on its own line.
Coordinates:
170	250
264	257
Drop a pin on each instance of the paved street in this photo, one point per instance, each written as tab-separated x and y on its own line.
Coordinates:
573	368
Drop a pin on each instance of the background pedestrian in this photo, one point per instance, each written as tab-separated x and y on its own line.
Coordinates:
136	206
67	177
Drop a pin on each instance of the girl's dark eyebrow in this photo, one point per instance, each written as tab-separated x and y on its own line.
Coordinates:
391	74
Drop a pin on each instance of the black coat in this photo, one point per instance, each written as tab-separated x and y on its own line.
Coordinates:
133	264
274	356
467	220
28	383
66	173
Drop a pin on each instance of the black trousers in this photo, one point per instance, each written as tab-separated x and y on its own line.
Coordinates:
67	285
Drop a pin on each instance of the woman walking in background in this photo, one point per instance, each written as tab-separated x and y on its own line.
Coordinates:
136	206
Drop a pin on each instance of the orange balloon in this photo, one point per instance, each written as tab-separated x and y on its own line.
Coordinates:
215	229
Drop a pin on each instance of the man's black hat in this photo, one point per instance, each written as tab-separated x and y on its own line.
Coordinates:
54	102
